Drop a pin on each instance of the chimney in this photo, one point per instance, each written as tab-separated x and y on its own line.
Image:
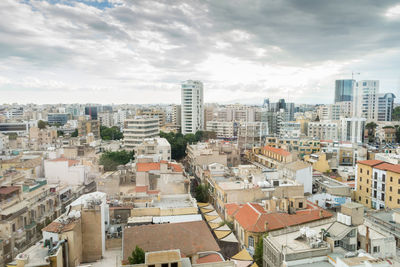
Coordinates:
266	226
320	214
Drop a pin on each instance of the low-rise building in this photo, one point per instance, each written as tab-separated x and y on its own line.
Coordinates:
271	157
157	148
301	172
138	129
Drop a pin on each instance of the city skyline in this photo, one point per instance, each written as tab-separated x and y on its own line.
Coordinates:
139	52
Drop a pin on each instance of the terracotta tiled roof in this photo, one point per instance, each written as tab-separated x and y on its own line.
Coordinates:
175	167
254	218
189	237
145	167
56	227
5	190
232	208
141	189
209	258
389	167
371	162
279	151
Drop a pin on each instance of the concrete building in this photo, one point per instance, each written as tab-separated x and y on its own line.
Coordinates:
352	129
138	129
57	118
106	119
176	115
365	99
154	113
301	172
87	127
68	172
192	105
42	138
270	157
323	130
252	134
385	106
156	148
223	129
289	130
378	184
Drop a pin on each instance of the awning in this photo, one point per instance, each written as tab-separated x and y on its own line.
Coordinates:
230	238
204	210
201	205
210	218
243	255
212	213
217	220
214	225
221	234
223	228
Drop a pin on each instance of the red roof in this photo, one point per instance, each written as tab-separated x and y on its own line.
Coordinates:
389	167
209	258
5	190
279	151
145	167
371	162
254	218
175	167
141	189
232	208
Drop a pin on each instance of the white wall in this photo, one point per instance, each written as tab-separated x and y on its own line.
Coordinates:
304	176
60	172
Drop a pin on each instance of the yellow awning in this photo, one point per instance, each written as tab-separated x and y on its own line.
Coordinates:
221	234
214	225
200	204
243	255
210	218
203	210
254	265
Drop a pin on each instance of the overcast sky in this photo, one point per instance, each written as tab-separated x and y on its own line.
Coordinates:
123	51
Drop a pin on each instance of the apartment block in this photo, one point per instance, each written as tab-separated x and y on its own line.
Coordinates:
192	106
323	130
378	184
138	129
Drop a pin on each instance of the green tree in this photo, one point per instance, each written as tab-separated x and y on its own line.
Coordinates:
112	133
60	133
317	118
397	127
396	114
258	253
137	256
202	193
75	133
42	124
371	126
111	160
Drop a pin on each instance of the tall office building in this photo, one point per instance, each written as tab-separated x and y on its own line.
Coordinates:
192	106
385	106
344	90
92	112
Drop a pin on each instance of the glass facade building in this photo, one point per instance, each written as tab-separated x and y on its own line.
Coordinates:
344	90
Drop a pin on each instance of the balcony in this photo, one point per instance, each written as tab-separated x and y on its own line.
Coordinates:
30	226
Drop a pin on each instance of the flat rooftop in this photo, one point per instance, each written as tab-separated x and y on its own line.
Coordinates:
163	256
175	201
291	244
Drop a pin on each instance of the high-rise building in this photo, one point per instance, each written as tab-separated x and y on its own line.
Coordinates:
92	112
138	129
365	99
344	90
352	129
57	118
192	103
385	106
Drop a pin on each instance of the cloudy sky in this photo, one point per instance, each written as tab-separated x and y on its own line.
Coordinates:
122	51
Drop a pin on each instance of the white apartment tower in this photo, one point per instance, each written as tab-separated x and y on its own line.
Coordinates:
192	106
365	99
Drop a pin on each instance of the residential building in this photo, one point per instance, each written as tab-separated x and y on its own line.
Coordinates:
385	106
42	138
192	106
252	134
91	112
106	119
329	112
352	129
385	222
20	128
299	171
176	115
365	99
197	238
154	113
323	130
223	129
289	129
138	129
270	157
378	184
156	148
89	126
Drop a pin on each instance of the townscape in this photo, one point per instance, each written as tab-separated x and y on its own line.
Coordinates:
278	184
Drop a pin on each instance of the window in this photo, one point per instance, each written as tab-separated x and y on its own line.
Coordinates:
360	170
337	243
164	265
367	172
367	181
367	189
251	242
366	201
390	188
376	249
390	198
398	201
174	264
13	227
399	181
360	179
300	205
391	178
375	175
360	187
383	178
359	198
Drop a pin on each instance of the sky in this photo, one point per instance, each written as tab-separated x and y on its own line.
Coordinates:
133	51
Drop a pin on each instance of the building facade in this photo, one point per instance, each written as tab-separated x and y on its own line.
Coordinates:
192	106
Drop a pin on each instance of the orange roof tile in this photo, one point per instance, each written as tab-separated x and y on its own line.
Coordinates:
209	258
175	167
145	167
371	162
232	208
279	151
389	167
253	218
56	227
141	189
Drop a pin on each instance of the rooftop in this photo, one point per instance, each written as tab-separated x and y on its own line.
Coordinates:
297	165
279	151
370	162
5	190
189	237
